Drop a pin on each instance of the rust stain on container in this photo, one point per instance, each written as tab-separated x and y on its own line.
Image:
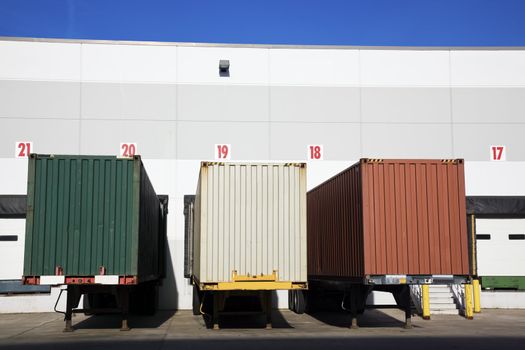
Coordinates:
382	217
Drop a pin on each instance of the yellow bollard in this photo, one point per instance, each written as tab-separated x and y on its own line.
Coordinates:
477	301
469	310
425	295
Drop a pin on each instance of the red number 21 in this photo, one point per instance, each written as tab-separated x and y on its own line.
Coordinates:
25	149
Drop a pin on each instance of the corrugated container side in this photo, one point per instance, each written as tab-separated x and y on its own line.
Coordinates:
197	231
150	233
411	220
414	217
83	213
250	218
189	209
163	238
335	208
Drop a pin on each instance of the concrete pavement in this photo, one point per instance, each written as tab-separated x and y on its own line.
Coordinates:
380	329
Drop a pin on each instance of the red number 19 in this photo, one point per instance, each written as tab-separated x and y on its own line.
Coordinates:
222	151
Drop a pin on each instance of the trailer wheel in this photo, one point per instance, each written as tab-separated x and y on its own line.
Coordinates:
88	304
196	305
98	301
291	300
151	296
310	301
296	301
144	299
300	304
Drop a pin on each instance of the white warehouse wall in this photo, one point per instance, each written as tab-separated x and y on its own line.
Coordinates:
86	97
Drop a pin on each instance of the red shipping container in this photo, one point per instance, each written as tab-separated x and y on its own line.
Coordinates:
389	217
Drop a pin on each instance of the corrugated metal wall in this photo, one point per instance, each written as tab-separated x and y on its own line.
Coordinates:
414	217
389	217
85	212
335	227
82	214
152	237
87	98
252	220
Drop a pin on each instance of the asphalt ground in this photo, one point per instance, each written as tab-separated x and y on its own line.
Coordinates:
379	329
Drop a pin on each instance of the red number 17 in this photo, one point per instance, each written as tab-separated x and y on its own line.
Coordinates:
497	152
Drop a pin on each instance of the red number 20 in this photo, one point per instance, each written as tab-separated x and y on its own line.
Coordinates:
128	150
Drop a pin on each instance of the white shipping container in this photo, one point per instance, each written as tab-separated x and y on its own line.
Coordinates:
250	220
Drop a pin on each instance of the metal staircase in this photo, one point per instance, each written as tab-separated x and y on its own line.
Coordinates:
442	300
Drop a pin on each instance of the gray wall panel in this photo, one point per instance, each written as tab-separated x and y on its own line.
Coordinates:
407	141
406	105
397	122
129	101
473	142
478	105
59	136
314	103
155	139
222	102
196	140
289	141
39	99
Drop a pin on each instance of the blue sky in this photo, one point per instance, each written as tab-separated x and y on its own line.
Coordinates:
305	22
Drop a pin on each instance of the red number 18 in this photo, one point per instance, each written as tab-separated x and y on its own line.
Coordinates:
315	152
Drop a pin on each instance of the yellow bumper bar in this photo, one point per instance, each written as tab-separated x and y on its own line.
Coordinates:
247	282
282	285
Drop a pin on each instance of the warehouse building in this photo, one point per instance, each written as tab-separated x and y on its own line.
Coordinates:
175	103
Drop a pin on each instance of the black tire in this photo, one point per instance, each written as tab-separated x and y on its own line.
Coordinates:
291	300
87	304
300	303
98	301
310	301
144	299
150	293
196	304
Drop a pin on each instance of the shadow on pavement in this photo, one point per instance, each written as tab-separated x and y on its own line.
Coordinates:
114	321
371	318
248	321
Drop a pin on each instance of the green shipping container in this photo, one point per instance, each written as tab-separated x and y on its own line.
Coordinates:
92	215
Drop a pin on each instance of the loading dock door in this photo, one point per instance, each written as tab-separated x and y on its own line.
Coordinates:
500	247
12	234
